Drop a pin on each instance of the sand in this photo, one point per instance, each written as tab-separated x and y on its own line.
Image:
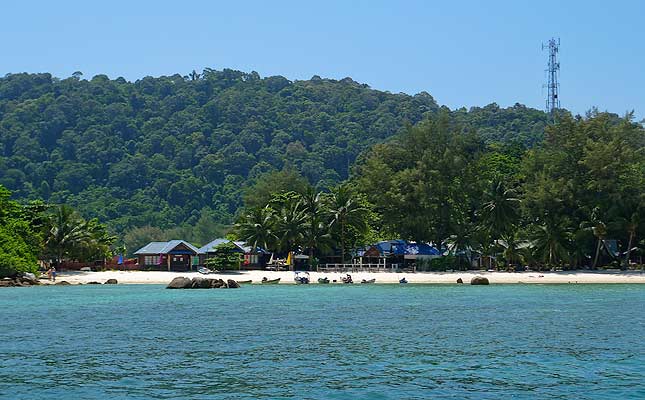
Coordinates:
161	277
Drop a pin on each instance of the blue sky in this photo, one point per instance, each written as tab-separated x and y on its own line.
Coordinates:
464	53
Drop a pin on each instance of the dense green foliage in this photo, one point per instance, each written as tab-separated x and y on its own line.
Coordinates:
37	231
556	204
313	222
18	242
227	257
183	150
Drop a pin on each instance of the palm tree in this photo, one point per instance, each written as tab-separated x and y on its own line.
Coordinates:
316	232
67	231
551	241
599	230
289	223
346	212
256	227
513	249
501	212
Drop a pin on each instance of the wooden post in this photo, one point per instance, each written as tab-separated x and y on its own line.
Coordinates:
168	261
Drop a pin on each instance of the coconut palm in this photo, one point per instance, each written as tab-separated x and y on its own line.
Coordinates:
316	232
290	219
501	210
347	213
551	241
599	229
256	227
66	229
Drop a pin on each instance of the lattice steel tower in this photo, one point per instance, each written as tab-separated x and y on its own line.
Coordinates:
553	70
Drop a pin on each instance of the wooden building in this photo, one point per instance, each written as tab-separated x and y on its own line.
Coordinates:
175	255
249	258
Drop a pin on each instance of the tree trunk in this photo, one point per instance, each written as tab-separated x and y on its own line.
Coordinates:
629	249
595	260
342	242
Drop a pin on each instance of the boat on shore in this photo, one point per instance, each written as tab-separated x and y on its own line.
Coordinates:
403	281
244	282
301	278
266	281
324	280
368	281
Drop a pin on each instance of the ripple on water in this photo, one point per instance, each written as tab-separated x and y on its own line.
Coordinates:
323	342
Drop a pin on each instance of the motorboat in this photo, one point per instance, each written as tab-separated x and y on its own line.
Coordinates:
403	281
368	281
324	280
204	271
266	281
347	279
301	278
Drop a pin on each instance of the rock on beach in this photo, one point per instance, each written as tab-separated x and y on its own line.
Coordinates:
479	280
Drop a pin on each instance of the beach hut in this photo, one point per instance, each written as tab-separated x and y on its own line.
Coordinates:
174	255
252	258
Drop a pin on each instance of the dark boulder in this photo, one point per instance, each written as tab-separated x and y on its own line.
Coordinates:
217	283
180	282
63	283
94	283
232	284
459	280
200	283
479	280
111	282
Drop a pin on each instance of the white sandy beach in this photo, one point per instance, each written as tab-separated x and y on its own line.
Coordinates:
161	277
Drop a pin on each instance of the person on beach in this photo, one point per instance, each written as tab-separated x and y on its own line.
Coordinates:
53	270
49	273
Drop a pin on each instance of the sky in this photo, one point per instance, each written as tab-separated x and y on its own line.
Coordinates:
464	53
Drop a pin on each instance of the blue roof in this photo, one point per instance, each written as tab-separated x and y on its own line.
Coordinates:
164	247
240	245
402	247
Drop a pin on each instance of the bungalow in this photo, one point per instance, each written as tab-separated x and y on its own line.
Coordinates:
175	255
396	254
251	258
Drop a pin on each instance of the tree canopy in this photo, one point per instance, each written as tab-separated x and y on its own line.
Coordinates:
173	150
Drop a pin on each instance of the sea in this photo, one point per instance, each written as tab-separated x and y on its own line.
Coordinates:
323	342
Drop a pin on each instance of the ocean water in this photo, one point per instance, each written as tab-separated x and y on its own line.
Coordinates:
323	342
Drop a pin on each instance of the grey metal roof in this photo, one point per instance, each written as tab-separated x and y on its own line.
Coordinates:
211	246
164	247
245	248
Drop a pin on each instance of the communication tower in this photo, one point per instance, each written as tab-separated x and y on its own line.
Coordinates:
553	70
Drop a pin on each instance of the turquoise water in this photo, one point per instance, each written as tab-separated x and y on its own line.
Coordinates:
323	342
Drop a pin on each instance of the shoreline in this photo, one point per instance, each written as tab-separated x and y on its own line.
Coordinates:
286	277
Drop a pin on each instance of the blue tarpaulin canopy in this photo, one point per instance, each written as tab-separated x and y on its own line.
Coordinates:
405	248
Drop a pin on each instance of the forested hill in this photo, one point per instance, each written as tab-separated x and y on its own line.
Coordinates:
182	149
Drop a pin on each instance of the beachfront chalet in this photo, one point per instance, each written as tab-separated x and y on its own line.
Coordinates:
250	258
175	255
396	254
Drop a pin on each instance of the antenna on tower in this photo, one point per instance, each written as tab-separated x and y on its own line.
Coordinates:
553	70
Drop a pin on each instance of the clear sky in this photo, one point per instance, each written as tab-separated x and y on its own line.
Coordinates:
464	53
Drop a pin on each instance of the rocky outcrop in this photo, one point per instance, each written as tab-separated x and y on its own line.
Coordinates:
232	284
94	283
201	283
20	280
111	281
459	280
179	282
479	280
218	284
62	283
